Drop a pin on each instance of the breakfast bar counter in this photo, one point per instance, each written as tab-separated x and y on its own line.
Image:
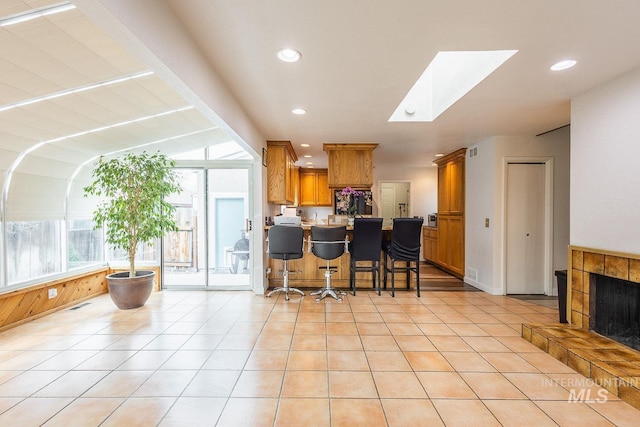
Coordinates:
308	272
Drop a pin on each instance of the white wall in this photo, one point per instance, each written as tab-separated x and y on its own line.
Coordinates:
480	203
423	186
605	171
485	184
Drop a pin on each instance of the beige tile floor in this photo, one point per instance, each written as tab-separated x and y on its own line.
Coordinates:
237	359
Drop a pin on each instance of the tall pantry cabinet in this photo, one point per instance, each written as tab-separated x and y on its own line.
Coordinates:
451	178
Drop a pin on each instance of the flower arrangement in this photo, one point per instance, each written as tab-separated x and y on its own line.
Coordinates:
349	197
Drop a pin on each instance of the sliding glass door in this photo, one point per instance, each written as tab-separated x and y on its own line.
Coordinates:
227	220
211	249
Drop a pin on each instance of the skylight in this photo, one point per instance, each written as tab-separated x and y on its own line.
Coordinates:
449	77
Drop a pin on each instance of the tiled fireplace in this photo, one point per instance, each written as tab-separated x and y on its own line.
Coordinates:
582	263
608	363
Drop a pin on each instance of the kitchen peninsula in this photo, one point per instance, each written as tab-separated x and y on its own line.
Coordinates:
349	165
308	272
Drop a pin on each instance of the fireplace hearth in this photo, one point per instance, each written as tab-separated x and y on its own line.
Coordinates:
583	344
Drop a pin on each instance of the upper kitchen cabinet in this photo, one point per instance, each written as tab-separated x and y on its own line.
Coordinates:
451	230
451	183
281	171
314	188
350	165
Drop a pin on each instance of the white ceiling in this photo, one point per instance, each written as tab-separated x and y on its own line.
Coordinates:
359	59
67	51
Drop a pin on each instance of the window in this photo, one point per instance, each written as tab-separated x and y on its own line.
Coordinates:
33	249
85	244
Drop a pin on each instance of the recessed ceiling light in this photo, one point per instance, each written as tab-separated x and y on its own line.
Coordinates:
439	155
305	145
288	55
309	163
563	65
299	111
434	164
307	156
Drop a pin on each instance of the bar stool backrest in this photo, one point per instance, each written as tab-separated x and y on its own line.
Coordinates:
405	238
322	237
367	236
285	242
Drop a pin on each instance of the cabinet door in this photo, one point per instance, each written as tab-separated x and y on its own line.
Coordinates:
290	178
324	192
443	189
430	244
443	240
434	245
456	245
456	186
314	188
351	167
277	174
296	187
427	250
281	172
307	188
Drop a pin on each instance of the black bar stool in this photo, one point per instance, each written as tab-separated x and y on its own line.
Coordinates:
285	243
404	246
365	246
328	243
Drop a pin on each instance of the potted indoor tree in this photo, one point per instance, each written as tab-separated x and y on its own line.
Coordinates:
133	209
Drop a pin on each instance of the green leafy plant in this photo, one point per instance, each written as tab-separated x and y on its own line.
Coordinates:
134	210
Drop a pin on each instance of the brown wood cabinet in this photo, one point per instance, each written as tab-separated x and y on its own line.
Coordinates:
451	186
314	188
430	243
296	187
350	165
450	231
281	173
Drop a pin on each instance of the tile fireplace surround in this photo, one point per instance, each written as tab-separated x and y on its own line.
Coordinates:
608	363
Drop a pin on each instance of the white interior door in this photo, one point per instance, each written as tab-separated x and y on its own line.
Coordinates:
394	200
387	201
525	228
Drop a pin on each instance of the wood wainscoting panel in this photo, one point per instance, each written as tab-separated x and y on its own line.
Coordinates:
23	305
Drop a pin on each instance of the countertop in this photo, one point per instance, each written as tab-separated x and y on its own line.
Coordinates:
306	225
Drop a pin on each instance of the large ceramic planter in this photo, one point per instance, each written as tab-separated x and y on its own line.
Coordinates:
130	292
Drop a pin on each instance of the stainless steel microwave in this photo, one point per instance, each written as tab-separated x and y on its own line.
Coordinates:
432	220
